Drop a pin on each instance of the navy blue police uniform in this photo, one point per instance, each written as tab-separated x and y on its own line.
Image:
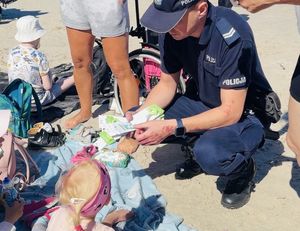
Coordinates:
224	57
295	83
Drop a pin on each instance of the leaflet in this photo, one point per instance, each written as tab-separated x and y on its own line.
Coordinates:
117	126
153	112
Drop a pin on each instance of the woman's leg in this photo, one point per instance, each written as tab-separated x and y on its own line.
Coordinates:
81	45
293	133
116	54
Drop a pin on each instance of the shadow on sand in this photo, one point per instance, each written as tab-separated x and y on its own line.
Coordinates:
3	80
165	160
10	14
168	157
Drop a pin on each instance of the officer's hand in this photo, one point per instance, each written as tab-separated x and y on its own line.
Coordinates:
154	132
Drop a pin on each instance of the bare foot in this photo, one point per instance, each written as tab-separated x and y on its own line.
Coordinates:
75	120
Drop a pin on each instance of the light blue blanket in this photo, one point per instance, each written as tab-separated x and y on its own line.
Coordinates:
131	189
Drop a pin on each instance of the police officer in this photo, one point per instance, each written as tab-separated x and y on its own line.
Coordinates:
216	47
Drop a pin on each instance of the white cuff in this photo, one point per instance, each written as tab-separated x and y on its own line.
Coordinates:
6	226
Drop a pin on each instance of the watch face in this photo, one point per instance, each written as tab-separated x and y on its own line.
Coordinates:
180	132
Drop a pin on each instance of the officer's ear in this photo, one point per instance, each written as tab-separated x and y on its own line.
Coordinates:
202	8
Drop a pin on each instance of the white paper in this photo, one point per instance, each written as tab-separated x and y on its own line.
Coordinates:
117	128
4	121
146	115
235	3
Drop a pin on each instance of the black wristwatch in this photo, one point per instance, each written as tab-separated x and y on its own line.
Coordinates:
180	130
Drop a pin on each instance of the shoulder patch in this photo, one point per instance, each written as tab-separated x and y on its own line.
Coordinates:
227	31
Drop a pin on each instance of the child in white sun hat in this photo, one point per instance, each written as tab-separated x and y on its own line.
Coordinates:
26	62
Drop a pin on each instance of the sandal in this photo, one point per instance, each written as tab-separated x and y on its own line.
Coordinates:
37	128
44	139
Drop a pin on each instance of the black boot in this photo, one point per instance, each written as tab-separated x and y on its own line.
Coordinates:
188	169
238	189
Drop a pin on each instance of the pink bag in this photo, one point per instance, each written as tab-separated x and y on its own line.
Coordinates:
11	146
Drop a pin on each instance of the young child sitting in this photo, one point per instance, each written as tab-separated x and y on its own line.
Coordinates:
26	62
83	191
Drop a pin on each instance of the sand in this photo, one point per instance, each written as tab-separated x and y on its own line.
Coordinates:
275	203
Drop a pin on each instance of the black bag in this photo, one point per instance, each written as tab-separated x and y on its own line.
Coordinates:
265	104
103	80
6	2
102	75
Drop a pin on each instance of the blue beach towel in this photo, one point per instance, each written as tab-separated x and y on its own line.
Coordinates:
132	189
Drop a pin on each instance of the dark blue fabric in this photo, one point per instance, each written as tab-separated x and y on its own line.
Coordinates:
229	34
220	151
163	15
216	60
295	83
173	5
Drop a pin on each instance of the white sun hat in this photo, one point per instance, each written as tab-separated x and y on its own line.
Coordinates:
28	29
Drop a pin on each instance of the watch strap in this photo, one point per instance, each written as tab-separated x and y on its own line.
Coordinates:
179	123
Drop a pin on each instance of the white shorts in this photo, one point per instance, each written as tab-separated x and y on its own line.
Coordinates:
105	18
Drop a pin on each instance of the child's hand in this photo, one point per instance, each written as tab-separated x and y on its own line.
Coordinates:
117	216
123	215
13	213
129	115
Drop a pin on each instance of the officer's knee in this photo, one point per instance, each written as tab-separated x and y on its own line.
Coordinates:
206	156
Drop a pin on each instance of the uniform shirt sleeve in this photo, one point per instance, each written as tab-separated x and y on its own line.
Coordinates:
169	62
6	226
43	65
236	66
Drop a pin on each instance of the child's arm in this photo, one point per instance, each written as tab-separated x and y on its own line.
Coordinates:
47	82
44	72
12	214
117	216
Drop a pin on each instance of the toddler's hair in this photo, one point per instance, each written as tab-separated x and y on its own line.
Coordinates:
80	182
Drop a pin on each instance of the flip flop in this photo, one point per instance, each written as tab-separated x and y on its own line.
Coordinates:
81	133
